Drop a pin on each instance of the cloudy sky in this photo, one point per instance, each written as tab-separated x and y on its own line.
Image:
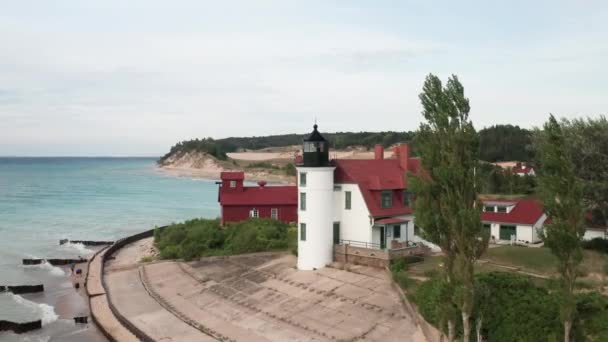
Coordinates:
117	77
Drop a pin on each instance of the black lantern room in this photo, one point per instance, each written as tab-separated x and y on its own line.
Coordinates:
316	150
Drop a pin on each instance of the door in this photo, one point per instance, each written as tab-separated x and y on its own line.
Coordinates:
506	232
382	237
336	233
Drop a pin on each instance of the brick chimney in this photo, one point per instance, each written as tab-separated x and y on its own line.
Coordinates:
378	152
403	155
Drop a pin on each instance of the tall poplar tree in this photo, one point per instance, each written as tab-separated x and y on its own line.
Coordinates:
562	195
447	207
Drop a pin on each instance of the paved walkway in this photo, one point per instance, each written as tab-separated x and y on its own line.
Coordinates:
257	297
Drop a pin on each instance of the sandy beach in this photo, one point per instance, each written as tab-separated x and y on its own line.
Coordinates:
200	166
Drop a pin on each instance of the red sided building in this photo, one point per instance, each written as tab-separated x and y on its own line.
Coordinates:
239	202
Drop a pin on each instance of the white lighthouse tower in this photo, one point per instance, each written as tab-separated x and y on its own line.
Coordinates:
315	204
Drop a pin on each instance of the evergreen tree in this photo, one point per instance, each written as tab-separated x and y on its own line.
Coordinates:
449	210
562	195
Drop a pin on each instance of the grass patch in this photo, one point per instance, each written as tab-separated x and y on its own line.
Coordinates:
147	258
428	265
535	260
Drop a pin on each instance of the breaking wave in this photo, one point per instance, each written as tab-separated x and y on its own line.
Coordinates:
41	311
79	248
53	270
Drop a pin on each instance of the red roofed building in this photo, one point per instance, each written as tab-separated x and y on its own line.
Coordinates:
373	201
524	170
239	202
514	221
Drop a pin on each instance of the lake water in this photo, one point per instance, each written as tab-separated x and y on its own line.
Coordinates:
43	200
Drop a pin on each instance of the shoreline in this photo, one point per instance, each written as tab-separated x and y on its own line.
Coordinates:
214	174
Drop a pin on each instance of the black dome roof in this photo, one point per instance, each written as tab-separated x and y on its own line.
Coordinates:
315	135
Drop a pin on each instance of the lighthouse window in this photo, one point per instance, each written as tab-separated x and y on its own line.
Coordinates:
302	231
302	178
309	147
347	200
302	201
386	199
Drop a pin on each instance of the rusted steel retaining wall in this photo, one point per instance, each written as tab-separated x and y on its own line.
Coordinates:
20	289
20	328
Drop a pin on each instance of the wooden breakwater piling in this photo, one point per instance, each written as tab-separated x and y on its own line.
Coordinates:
86	242
54	262
20	289
20	328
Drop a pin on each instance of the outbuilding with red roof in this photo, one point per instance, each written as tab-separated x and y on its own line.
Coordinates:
514	221
239	202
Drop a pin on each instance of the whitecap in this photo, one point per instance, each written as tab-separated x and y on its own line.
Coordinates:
45	265
80	248
42	311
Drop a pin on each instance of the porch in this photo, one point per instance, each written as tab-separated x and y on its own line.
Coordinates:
371	254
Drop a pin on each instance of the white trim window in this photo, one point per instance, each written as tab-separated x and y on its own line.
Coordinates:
274	213
254	213
233	184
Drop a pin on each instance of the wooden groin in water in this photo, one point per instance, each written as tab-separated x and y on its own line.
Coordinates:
20	289
87	242
54	262
20	328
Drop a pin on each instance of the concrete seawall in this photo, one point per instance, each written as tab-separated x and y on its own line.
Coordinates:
113	325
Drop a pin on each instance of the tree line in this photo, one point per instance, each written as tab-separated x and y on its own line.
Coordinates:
497	143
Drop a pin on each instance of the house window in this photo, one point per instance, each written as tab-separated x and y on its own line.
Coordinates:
254	213
233	184
302	178
274	213
302	201
302	231
386	199
501	209
347	200
407	198
488	208
397	232
337	187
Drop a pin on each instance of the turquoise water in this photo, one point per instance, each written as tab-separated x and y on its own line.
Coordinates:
43	200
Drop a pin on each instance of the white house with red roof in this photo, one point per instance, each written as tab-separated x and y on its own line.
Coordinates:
362	203
524	170
518	221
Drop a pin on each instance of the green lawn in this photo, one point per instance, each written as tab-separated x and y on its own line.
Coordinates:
536	260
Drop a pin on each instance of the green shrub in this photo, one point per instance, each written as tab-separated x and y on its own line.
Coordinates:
403	279
170	252
397	265
597	244
292	240
199	237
